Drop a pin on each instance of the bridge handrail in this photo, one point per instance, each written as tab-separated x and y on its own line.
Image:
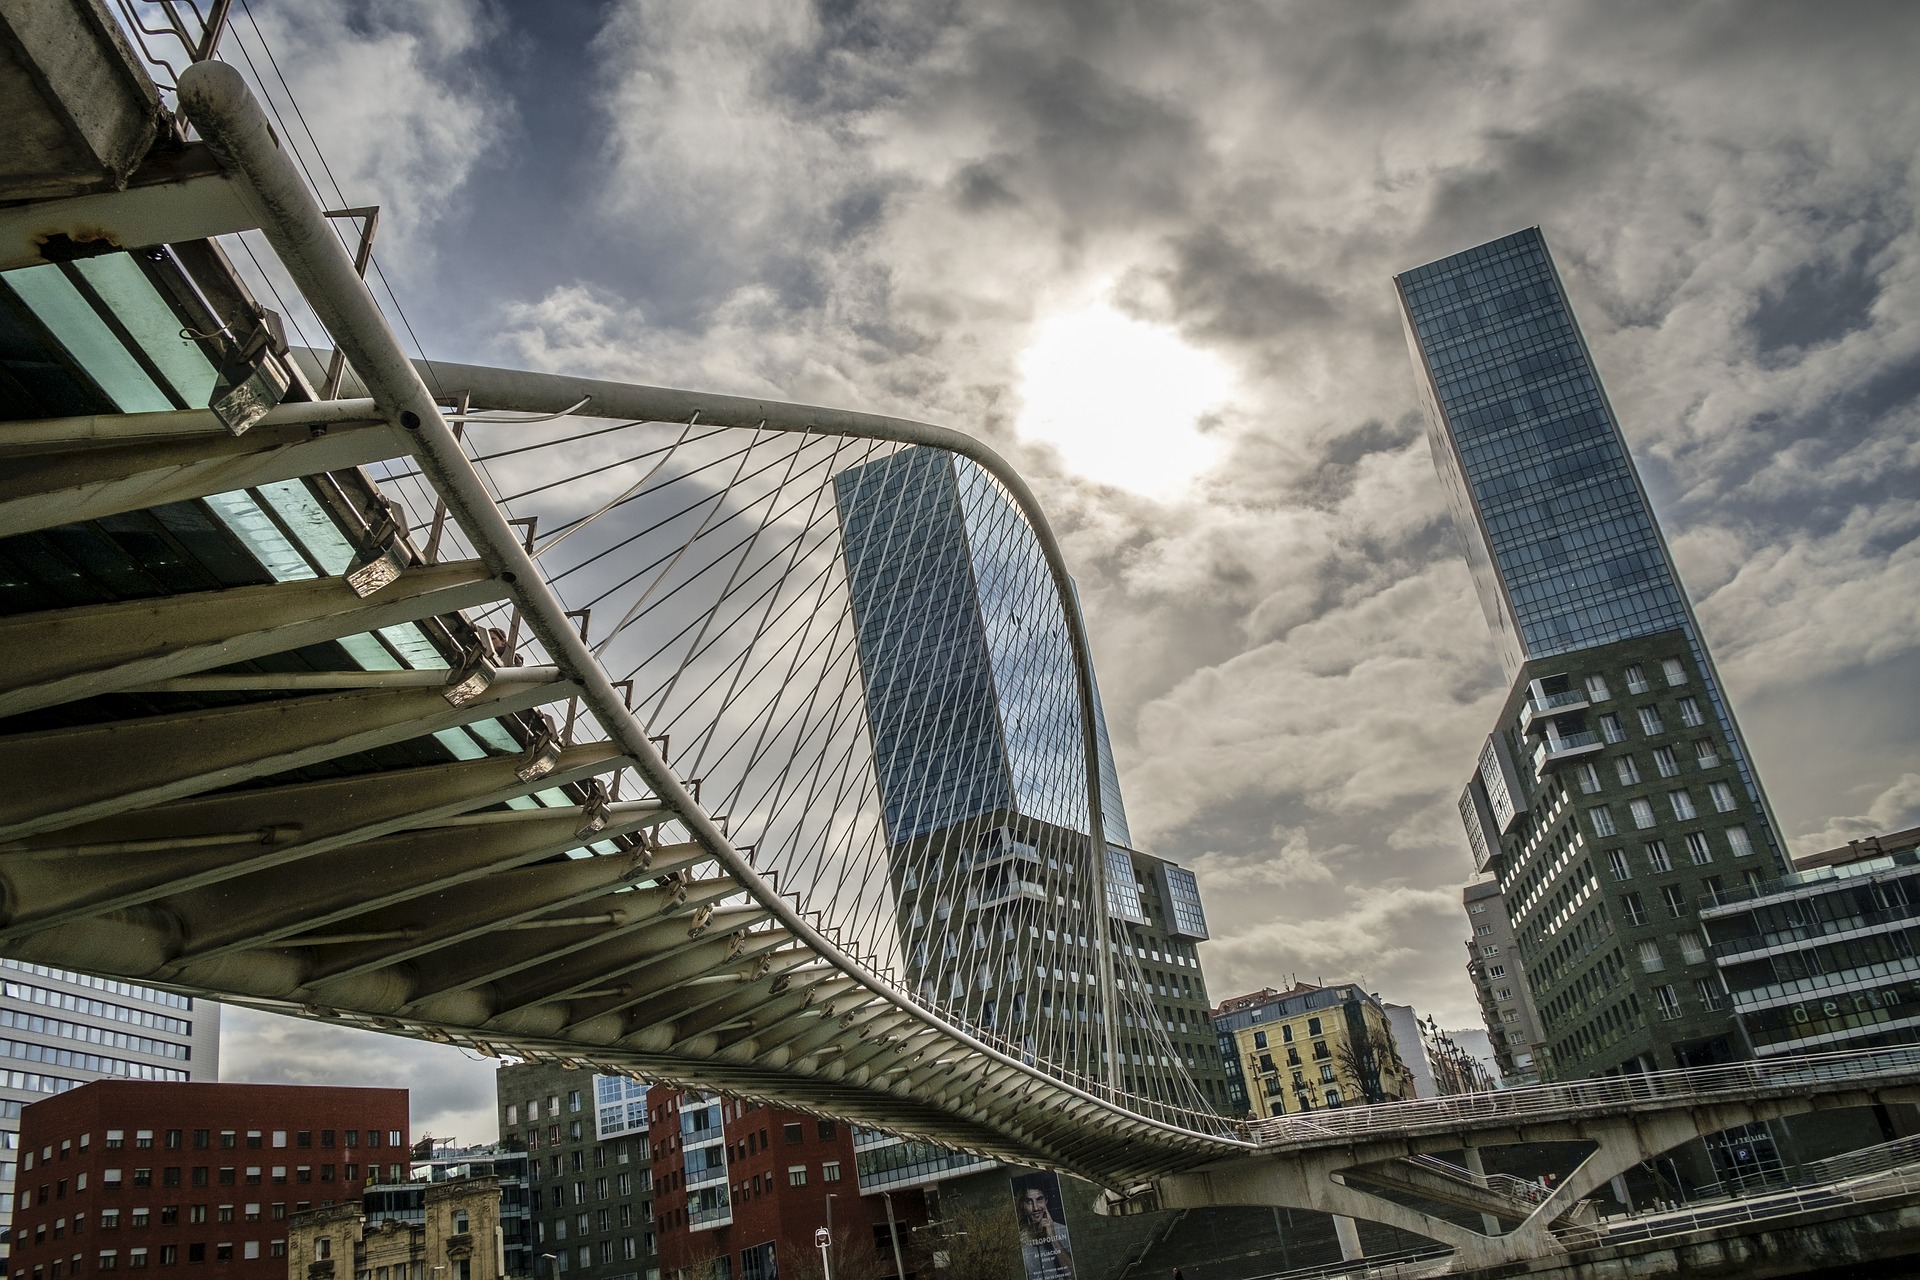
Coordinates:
1757	1209
1577	1095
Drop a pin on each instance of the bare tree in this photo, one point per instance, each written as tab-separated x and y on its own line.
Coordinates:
1372	1061
851	1257
981	1246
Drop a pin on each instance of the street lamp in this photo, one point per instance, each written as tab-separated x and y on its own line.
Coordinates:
553	1265
893	1230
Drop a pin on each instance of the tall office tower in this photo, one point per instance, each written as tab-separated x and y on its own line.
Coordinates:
1614	794
60	1029
975	715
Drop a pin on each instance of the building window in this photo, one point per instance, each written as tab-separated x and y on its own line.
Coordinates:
1674	672
1490	950
1617	864
1636	910
1690	713
828	1130
1738	842
1657	856
1482	931
1691	949
1712	993
1650	721
1682	803
830	1171
1705	754
1600	817
1642	811
1669	1002
796	1175
322	1249
1636	679
1496	971
1676	900
1665	762
1698	849
1650	958
1610	728
1588	777
1597	689
1722	796
1629	772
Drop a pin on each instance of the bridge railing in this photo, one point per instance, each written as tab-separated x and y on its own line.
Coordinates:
1582	1095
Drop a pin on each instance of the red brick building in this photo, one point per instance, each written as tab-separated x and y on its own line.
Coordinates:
745	1186
131	1175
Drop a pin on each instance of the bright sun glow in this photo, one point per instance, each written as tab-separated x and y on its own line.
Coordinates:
1121	399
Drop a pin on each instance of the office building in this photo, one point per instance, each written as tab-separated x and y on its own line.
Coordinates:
1499	983
1824	958
60	1029
1614	793
590	1192
975	715
1310	1048
445	1230
742	1188
134	1174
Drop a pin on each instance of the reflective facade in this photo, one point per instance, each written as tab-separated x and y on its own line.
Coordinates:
965	653
1613	797
973	707
1562	542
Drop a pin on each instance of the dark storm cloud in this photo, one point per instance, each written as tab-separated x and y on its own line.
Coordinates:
872	205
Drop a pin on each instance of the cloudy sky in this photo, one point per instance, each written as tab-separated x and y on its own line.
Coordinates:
1146	250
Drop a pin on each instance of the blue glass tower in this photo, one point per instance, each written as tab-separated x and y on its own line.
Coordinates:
968	667
1614	794
1561	540
979	757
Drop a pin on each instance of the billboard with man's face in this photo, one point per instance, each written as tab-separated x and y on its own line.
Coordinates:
1045	1249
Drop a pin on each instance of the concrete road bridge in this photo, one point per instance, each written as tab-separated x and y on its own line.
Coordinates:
313	701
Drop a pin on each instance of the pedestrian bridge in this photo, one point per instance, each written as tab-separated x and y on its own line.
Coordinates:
527	713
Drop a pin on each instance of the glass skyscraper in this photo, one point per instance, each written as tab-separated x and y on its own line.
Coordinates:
979	755
1615	793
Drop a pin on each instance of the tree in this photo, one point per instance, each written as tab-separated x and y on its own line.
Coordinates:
851	1256
980	1246
1371	1061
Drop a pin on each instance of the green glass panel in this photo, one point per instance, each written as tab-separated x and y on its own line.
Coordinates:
309	521
257	532
93	346
121	284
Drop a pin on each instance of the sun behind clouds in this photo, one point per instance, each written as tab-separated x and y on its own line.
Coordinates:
1122	399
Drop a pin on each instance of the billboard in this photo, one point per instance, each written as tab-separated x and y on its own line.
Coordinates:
1045	1249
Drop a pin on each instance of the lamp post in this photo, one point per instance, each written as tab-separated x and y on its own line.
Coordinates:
893	1231
553	1265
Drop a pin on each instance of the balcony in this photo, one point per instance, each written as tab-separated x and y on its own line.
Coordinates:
1556	750
1000	895
1541	708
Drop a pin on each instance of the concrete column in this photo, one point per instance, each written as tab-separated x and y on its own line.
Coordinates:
1620	1192
1348	1233
1476	1166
